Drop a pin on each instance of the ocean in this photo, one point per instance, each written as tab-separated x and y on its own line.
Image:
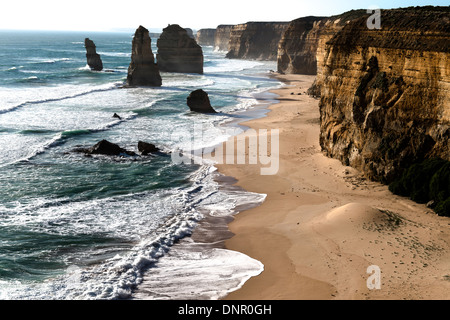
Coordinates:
99	227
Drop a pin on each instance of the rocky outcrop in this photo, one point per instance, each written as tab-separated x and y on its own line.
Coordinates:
146	148
142	70
93	58
222	38
177	52
385	93
105	147
205	37
256	40
198	101
305	39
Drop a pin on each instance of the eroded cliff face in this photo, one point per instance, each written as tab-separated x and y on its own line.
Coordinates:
206	37
222	38
385	94
256	40
298	47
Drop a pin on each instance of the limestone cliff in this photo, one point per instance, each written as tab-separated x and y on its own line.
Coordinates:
222	38
256	40
93	58
298	47
142	70
385	93
205	37
178	52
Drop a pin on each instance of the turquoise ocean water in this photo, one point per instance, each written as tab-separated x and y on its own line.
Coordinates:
77	227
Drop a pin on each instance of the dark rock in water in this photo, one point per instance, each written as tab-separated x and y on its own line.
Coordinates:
198	101
117	116
106	148
178	52
93	58
142	70
147	148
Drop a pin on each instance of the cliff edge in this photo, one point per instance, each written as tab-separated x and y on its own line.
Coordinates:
256	40
385	93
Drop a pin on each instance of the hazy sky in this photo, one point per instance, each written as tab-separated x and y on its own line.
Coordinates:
102	15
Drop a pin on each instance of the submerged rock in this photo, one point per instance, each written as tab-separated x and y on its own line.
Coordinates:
142	70
178	52
198	101
93	58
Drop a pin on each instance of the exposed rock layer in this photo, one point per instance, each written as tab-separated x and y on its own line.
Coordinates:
177	52
256	40
142	70
385	94
222	38
297	49
93	58
206	37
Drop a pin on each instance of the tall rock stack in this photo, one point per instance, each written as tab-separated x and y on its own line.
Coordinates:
142	70
93	58
177	52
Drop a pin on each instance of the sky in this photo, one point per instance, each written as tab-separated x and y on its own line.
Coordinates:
113	15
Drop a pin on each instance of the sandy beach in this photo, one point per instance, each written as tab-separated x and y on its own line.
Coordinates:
324	230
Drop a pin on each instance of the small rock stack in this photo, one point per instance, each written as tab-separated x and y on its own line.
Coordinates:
93	58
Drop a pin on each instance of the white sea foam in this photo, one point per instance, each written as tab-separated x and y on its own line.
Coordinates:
231	66
151	222
52	94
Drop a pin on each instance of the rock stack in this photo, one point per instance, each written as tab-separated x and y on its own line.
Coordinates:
177	52
142	70
198	101
93	58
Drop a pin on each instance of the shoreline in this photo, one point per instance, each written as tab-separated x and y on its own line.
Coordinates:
207	240
323	224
